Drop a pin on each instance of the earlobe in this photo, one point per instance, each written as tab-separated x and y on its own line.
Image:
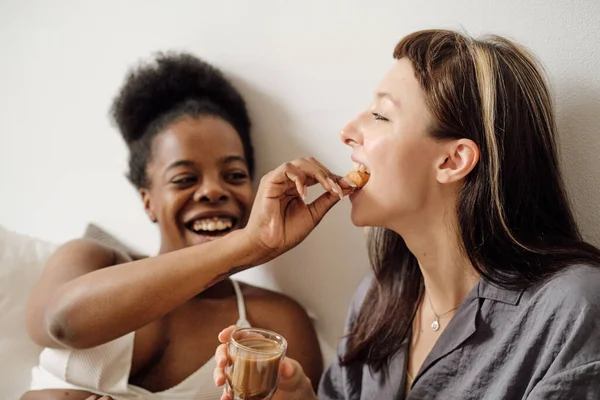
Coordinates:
145	194
461	157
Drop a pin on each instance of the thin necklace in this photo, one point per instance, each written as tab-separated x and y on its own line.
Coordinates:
436	323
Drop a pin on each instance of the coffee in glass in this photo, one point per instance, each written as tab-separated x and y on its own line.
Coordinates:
255	354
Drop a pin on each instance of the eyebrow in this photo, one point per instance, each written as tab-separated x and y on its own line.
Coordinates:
232	159
180	163
388	96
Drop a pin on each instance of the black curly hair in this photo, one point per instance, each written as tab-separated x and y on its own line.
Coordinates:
156	94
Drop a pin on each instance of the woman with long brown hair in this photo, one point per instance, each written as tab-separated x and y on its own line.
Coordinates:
483	286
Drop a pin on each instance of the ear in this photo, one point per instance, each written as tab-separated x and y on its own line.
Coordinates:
460	157
146	198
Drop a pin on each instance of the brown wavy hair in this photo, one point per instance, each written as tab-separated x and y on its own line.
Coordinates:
514	216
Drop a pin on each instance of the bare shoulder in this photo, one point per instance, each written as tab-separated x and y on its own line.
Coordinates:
257	293
284	315
69	262
83	245
267	303
87	252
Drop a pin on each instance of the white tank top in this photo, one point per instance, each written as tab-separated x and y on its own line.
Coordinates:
105	370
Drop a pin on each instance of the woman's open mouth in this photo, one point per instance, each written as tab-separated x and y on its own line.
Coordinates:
360	175
212	226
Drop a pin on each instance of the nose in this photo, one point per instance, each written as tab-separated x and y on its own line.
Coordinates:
211	191
351	134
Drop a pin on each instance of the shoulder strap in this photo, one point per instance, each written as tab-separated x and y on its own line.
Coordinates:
242	321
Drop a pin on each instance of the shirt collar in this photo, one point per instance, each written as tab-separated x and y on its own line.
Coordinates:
488	290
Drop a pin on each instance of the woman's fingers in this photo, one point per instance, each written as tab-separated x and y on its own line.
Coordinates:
322	174
294	174
219	377
321	206
286	369
335	179
225	334
226	396
347	183
302	173
293	379
222	356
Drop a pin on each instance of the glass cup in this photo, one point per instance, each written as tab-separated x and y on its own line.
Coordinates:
253	372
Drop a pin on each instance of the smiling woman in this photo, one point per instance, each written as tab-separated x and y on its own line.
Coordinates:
216	180
148	328
189	137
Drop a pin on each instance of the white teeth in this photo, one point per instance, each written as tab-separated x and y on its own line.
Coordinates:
212	224
360	167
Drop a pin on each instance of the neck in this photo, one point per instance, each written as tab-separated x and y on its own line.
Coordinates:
447	272
222	289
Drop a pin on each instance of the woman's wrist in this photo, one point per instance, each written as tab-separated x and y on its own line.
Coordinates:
204	265
250	250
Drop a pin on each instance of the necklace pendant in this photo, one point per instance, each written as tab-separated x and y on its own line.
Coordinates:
435	325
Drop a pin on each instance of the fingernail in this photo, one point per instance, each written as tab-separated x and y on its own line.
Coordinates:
349	182
333	184
340	191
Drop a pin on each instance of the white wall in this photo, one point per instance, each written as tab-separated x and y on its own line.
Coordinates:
304	67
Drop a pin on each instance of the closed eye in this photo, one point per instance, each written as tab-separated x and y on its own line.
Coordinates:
236	177
184	180
379	117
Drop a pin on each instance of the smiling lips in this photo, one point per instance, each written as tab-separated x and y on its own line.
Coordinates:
212	225
360	174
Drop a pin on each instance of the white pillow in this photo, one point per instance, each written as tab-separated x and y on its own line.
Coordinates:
22	259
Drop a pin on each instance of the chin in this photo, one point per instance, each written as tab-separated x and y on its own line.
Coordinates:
368	217
360	220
